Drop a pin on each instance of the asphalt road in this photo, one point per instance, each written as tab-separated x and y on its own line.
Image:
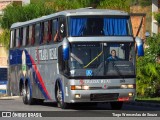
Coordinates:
79	110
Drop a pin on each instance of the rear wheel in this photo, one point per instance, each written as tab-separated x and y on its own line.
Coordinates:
30	100
116	105
24	95
59	97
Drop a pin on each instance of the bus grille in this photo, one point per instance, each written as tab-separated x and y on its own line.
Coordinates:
104	97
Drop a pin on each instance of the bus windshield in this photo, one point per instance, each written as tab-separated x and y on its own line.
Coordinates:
99	26
102	59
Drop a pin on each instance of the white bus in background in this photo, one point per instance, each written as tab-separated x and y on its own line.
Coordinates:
3	79
66	57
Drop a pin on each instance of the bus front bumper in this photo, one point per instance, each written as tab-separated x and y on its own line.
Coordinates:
100	95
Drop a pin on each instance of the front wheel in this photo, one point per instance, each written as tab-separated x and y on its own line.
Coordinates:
116	105
60	102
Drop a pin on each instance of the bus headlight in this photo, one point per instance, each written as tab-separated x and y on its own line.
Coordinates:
124	86
129	86
77	96
130	94
79	87
85	87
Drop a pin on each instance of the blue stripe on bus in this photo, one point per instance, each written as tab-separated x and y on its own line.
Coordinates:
16	58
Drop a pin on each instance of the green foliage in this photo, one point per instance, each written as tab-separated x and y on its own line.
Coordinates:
144	3
16	13
117	4
157	17
71	4
153	43
148	69
5	37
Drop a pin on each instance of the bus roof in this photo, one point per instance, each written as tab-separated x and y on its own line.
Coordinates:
76	12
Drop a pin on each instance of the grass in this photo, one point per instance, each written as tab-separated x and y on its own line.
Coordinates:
152	100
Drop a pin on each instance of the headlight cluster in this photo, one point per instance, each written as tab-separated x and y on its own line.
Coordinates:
79	87
129	86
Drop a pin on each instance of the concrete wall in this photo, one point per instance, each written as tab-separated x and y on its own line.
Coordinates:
147	11
3	56
154	22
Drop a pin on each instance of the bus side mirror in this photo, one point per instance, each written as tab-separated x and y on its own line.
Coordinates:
65	49
139	46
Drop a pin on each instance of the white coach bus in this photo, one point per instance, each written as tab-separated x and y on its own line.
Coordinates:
74	56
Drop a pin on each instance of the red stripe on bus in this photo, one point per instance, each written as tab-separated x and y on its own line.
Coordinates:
40	78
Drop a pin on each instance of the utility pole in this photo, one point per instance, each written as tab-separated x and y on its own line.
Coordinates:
154	22
25	2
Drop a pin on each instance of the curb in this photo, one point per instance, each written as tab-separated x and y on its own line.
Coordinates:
9	97
143	104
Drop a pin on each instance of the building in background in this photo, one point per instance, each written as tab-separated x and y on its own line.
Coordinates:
155	6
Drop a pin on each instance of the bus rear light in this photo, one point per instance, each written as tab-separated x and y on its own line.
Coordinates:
123	99
79	87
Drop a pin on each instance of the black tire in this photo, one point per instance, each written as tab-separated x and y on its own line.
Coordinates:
24	95
30	100
60	102
116	105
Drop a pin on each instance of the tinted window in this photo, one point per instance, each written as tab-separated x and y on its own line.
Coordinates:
12	41
45	37
17	38
37	33
54	28
24	36
30	34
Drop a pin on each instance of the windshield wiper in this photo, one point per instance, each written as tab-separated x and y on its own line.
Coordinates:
93	59
76	58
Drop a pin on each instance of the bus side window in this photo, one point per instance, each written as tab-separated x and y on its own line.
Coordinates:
12	39
33	34
37	33
17	38
24	36
41	33
21	36
49	30
27	35
45	37
30	35
55	30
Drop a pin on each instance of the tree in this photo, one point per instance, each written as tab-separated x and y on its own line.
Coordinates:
16	13
4	38
148	68
117	4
